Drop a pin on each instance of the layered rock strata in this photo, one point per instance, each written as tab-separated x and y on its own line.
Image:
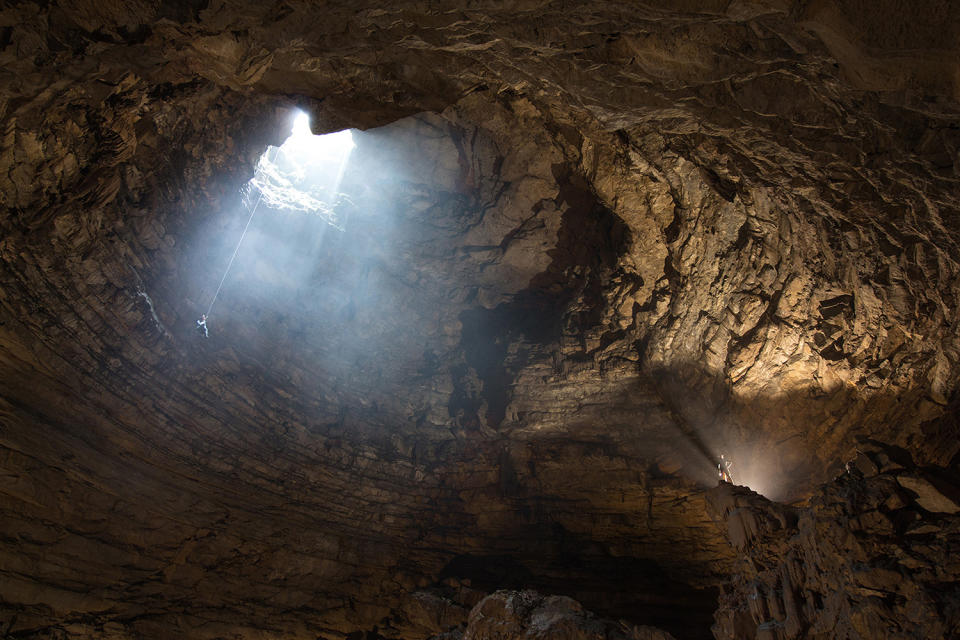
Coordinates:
615	242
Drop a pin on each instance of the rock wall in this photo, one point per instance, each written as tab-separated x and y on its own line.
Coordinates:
593	246
872	556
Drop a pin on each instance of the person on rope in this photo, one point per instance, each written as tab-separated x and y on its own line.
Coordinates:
723	469
202	326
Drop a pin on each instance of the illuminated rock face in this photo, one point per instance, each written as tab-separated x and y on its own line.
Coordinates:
586	250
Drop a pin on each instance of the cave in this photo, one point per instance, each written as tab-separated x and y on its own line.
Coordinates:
573	254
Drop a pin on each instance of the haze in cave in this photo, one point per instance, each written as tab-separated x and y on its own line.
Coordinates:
470	368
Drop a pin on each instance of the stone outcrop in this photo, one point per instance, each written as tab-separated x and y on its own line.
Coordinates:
873	555
588	247
527	615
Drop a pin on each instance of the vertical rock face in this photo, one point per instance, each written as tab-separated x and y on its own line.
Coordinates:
587	247
872	556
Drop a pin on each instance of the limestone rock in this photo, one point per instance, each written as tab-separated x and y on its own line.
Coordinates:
852	564
527	615
587	247
928	496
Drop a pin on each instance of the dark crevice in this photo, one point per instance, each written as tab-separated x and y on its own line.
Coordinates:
567	564
727	189
567	297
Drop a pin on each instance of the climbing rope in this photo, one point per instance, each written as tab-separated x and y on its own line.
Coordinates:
230	264
235	251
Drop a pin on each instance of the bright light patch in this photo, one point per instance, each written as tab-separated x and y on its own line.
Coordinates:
305	172
301	125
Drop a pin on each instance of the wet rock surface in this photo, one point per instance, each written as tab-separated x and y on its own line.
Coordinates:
588	248
872	556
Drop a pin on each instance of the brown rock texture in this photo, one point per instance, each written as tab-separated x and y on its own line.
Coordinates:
527	615
874	555
586	248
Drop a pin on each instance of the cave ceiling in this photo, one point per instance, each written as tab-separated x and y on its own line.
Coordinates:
586	248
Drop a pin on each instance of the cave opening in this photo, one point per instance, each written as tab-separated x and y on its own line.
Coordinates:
304	173
299	177
553	262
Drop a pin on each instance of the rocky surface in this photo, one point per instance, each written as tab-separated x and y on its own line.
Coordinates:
590	247
526	615
872	556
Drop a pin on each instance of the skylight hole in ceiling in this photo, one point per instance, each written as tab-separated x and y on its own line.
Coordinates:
304	173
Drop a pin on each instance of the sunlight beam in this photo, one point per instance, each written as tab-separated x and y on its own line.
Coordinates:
306	171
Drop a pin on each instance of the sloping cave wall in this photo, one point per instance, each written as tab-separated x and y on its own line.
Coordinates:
613	243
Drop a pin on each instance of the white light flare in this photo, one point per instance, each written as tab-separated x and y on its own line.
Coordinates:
305	171
759	469
301	126
308	148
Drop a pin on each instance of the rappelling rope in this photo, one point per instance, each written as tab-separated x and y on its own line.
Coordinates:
235	251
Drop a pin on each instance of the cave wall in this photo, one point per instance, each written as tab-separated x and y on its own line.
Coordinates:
627	239
870	556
